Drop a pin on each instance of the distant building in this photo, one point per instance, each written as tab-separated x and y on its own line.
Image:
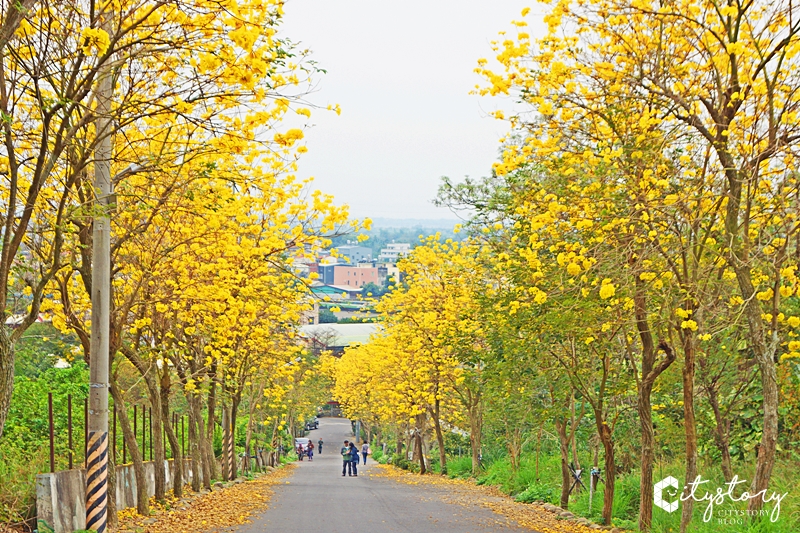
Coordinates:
354	276
311	316
326	273
336	337
393	252
355	254
393	272
336	292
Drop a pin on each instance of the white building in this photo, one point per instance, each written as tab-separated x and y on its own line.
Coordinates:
355	254
393	252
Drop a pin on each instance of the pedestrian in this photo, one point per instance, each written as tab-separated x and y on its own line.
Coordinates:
310	451
319	446
354	458
300	451
365	451
347	460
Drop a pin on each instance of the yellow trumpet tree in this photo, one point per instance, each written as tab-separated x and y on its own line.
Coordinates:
218	73
670	98
420	365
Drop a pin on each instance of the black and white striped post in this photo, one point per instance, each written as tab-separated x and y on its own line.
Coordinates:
227	445
97	437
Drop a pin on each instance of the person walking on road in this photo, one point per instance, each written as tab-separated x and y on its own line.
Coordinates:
310	451
364	452
300	452
354	458
319	446
347	460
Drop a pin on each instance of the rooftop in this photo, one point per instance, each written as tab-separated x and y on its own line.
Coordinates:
340	334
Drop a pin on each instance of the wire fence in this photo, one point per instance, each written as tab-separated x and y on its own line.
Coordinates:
141	417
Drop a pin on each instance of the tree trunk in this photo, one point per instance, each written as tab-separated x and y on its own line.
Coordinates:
6	373
566	477
689	424
248	435
399	446
649	373
611	468
475	410
159	455
200	472
514	445
764	354
142	499
539	449
418	447
722	432
174	444
213	466
149	373
574	424
439	436
647	458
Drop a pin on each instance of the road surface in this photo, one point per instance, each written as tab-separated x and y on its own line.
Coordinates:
317	499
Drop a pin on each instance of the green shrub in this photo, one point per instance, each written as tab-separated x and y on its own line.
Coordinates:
539	492
377	454
401	462
459	467
18	471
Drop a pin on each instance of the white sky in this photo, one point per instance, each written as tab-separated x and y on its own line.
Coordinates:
402	72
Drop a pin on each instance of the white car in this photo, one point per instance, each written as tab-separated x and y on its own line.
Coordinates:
304	441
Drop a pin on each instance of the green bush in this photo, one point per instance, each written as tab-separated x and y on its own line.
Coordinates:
377	454
18	471
24	447
401	462
539	492
459	467
386	459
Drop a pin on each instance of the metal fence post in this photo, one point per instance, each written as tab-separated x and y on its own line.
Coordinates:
69	427
144	433
52	435
124	449
114	449
150	431
135	419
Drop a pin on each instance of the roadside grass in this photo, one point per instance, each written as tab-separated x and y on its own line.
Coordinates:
526	485
17	484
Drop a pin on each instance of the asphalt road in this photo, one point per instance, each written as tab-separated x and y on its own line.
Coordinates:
318	499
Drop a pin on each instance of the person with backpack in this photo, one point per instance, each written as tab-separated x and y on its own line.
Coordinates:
354	458
319	446
347	460
364	451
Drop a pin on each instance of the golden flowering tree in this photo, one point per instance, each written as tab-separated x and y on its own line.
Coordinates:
189	78
692	104
204	286
422	364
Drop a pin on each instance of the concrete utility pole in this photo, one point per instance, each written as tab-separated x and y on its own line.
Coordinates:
97	460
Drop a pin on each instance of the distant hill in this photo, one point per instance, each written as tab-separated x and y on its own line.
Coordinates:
426	223
387	230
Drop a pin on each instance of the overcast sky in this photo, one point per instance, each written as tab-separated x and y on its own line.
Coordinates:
402	72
